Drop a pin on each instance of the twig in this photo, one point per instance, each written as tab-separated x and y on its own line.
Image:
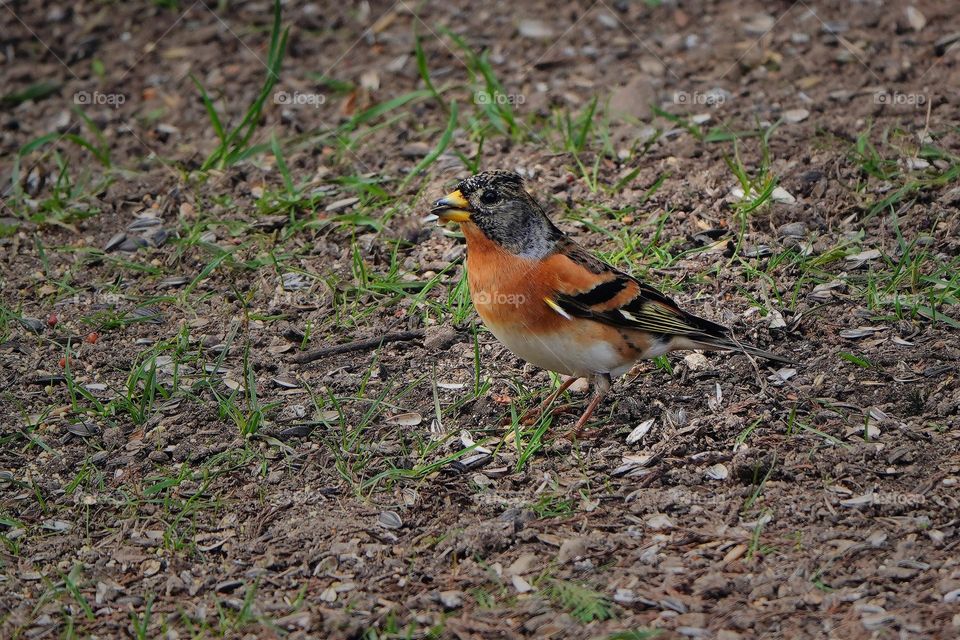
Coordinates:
357	345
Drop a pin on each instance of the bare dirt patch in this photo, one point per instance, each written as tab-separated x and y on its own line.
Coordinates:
166	467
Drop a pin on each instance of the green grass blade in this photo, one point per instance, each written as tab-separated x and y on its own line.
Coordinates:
282	165
211	110
442	144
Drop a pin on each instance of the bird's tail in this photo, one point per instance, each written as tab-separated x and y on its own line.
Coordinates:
729	343
715	337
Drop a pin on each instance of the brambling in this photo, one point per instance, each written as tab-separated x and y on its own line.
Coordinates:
554	304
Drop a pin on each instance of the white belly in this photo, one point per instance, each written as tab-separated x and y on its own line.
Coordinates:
558	352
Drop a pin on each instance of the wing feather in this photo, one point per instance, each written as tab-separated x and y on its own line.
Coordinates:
623	301
590	288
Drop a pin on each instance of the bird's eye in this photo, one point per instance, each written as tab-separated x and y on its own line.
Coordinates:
489	197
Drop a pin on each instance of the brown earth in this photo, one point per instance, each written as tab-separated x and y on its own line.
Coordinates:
820	505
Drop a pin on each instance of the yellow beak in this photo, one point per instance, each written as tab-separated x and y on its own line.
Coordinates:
452	208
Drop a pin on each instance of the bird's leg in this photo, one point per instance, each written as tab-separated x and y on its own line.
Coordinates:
533	414
601	385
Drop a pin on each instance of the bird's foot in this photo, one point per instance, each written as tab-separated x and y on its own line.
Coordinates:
530	417
581	434
578	429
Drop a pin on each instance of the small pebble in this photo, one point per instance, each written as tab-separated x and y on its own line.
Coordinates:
794	116
535	29
520	584
759	24
451	599
782	196
915	19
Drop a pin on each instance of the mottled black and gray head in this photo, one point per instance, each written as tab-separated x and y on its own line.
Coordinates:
497	203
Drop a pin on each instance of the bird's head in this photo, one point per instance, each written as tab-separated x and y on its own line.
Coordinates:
499	206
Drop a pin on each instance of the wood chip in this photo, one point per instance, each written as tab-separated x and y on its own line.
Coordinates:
735	553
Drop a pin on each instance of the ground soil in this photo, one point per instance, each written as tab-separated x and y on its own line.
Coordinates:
823	505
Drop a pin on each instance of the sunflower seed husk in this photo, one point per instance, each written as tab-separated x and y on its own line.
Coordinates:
718	472
471	463
32	324
157	237
624	596
758	251
633	463
535	29
857	260
46	379
389	520
342	204
131	245
57	525
143	223
285	383
292	412
150	315
114	242
294	282
297	431
824	292
271	223
172	281
83	429
782	375
859	332
793	230
859	501
411	419
640	430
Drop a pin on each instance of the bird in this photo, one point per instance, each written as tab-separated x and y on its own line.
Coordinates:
556	305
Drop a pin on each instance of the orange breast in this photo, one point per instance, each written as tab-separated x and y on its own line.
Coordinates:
507	290
509	294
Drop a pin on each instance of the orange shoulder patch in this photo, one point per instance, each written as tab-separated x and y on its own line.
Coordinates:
570	278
